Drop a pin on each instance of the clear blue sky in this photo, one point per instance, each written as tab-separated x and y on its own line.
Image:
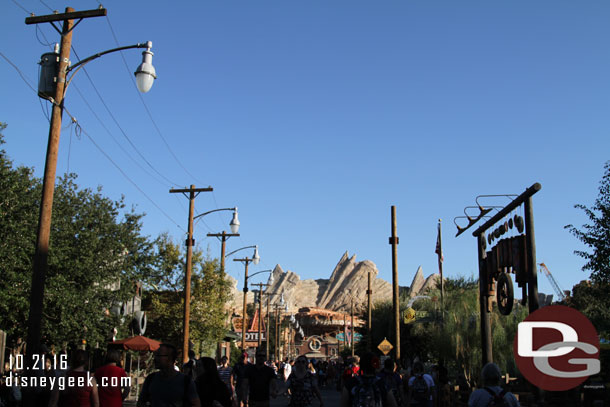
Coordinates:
314	117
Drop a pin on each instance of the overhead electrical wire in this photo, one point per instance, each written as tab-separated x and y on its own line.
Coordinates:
119	126
121	170
101	122
152	119
81	129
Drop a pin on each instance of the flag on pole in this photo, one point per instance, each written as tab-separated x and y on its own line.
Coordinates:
439	247
439	252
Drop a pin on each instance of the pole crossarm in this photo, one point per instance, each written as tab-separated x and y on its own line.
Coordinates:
100	12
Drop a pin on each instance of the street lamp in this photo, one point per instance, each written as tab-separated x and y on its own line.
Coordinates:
224	236
53	89
260	301
246	260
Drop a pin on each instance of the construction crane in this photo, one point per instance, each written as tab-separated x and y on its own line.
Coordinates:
552	280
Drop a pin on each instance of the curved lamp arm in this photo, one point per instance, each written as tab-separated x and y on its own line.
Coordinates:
234	222
246	247
262	271
80	64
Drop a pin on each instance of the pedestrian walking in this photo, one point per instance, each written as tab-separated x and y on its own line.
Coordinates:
261	381
168	387
110	378
366	389
492	394
224	372
421	388
84	393
302	385
238	380
212	391
392	380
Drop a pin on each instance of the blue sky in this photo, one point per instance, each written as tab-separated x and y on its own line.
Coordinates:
315	117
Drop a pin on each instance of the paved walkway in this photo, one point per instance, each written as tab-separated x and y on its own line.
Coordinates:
330	396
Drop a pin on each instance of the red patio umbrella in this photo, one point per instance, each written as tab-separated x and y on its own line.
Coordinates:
139	342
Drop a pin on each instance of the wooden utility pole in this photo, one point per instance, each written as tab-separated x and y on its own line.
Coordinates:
48	182
192	194
246	261
260	311
224	236
395	293
268	328
369	320
353	342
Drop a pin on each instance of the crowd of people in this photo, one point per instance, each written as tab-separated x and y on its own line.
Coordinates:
361	382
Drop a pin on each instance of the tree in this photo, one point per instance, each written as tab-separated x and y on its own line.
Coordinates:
210	291
96	254
596	235
18	208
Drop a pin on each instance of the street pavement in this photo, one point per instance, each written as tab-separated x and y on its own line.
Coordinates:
330	395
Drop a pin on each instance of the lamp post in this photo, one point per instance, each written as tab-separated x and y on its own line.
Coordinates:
260	301
246	260
224	236
53	82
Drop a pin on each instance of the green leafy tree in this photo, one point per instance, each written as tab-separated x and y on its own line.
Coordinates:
19	205
96	254
596	235
591	297
210	291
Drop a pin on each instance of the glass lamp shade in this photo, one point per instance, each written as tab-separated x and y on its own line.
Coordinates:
256	258
145	74
282	302
270	280
234	223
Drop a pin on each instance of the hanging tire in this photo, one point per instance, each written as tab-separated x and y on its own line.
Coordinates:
505	294
139	322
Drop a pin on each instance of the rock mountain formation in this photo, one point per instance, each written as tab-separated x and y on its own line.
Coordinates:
348	279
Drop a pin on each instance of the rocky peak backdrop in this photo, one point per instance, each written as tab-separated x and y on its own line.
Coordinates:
348	279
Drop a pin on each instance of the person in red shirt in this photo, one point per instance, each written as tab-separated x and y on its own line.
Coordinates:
112	382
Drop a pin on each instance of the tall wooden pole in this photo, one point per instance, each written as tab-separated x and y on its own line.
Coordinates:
48	189
192	194
187	278
486	343
268	327
369	321
352	326
395	293
245	315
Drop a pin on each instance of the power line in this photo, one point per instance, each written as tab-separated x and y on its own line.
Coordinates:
152	119
101	122
119	126
27	82
95	144
21	7
120	170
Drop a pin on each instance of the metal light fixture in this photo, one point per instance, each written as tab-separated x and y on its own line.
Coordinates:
255	257
234	222
146	74
271	280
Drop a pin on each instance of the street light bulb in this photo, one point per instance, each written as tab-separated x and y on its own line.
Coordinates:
146	74
234	222
256	258
270	281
